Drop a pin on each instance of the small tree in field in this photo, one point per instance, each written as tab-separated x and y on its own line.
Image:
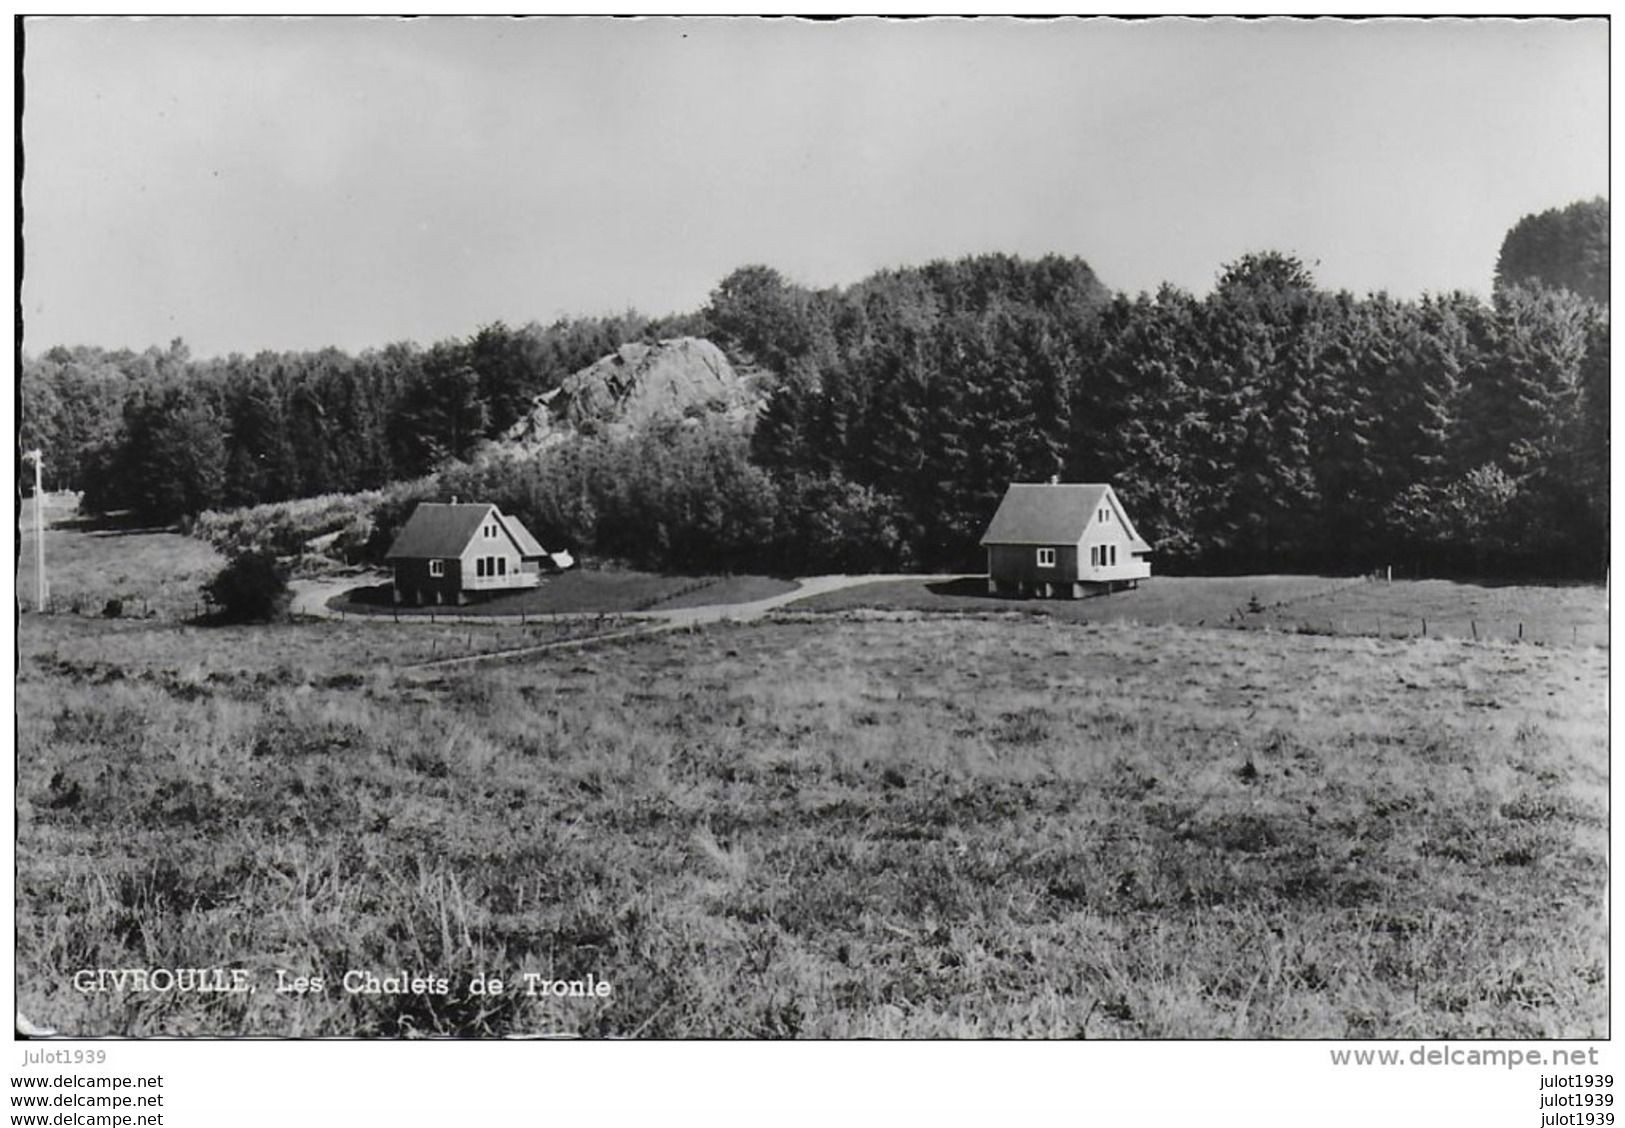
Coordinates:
250	589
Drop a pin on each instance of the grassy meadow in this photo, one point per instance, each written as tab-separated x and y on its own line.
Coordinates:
1554	614
819	826
583	590
89	561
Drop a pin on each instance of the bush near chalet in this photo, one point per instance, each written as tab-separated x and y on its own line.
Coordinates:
252	588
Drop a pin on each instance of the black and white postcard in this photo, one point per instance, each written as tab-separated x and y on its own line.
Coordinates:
673	530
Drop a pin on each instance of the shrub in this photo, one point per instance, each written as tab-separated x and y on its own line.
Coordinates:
252	588
113	608
351	543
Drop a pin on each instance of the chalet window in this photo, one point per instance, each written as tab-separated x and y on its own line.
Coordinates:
479	566
437	567
1114	553
1046	558
502	565
1094	557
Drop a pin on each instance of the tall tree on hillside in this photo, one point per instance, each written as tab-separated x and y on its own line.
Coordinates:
1135	421
1420	431
172	458
512	369
260	463
979	429
895	448
40	417
1522	391
362	414
1563	248
760	317
1361	348
442	415
1258	385
1590	444
322	446
72	402
782	440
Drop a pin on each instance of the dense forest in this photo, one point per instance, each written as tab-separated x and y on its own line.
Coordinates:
167	436
1269	424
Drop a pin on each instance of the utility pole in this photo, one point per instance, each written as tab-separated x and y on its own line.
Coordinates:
39	532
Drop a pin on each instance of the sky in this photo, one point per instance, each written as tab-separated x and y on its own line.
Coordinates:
253	184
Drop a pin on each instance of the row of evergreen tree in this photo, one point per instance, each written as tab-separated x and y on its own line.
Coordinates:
166	436
1268	424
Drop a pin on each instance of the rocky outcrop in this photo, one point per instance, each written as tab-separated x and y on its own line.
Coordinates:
639	383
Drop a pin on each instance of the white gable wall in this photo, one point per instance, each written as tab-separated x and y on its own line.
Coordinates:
1119	516
1105	552
501	554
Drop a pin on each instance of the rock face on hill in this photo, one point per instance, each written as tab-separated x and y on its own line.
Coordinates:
681	378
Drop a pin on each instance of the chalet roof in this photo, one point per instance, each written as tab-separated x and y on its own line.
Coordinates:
1044	513
438	530
528	545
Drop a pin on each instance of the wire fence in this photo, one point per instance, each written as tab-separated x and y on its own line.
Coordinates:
1359	608
1540	632
115	607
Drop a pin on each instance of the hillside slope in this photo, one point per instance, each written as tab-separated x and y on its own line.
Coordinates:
639	383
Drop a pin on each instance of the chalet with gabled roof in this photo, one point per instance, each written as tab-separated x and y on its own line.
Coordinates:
1063	539
447	552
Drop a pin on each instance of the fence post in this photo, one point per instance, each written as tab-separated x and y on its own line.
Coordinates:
1424	628
1474	622
1520	632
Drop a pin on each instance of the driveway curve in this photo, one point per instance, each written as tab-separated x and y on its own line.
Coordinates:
311	597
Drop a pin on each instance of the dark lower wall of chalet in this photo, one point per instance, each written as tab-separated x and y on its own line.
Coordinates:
412	579
1011	563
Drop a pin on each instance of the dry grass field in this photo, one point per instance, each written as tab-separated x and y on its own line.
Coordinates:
1560	615
90	561
995	826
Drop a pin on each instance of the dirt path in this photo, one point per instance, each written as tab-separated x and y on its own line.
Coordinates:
514	652
310	596
310	599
